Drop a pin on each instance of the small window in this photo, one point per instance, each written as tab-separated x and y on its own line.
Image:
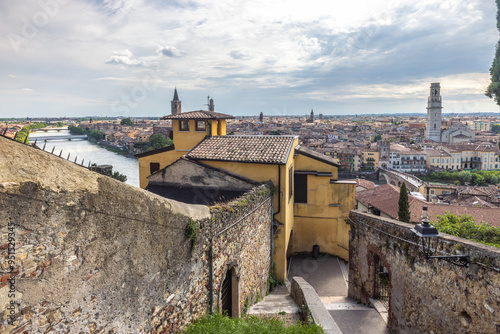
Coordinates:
153	167
201	126
183	125
290	182
432	192
300	188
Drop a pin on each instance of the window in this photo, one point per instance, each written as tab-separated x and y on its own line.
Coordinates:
201	126
290	182
183	125
432	192
300	190
153	167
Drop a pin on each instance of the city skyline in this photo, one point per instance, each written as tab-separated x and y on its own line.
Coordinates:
109	58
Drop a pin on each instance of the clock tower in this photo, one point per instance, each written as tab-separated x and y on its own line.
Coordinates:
433	129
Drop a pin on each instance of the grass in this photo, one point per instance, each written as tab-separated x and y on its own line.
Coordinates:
218	323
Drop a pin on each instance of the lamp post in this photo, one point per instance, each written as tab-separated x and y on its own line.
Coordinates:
426	232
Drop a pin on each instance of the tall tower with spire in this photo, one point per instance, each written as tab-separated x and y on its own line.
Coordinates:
175	104
434	107
312	116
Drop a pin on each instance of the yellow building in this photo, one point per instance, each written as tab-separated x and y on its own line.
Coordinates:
310	204
370	159
188	129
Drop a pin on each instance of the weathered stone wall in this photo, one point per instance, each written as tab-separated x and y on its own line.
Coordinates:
94	255
425	296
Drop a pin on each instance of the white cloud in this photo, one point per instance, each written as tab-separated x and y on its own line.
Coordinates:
125	57
169	51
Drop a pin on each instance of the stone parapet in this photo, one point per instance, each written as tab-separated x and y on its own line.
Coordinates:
424	295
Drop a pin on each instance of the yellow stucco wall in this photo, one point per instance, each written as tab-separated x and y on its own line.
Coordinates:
165	159
321	221
282	202
186	140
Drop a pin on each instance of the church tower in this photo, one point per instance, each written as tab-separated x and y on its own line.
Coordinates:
312	116
175	104
433	129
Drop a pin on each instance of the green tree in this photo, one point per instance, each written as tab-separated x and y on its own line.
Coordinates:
76	130
158	141
464	177
464	227
477	179
495	128
377	138
494	179
493	90
119	176
141	145
404	214
23	134
127	121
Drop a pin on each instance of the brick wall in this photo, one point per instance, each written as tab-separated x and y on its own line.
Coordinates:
115	259
425	295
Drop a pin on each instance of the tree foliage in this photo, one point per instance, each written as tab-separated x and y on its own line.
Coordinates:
158	141
76	130
377	138
404	214
481	177
127	121
119	176
495	128
463	226
493	90
23	134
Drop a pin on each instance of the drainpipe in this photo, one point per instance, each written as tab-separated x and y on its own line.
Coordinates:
211	275
279	192
272	234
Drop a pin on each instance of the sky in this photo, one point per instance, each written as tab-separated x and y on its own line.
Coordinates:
281	57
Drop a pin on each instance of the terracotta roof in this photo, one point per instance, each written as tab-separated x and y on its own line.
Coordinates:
254	149
199	114
385	198
317	156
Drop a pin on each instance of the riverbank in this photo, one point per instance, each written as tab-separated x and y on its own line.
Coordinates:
112	148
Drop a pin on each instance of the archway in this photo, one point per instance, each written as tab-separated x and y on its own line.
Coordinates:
230	292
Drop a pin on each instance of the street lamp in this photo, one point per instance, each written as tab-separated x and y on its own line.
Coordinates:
426	232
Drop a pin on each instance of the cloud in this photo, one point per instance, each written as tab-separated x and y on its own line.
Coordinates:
169	51
125	57
238	54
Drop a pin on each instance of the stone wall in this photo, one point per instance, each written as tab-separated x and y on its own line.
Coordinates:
425	295
93	255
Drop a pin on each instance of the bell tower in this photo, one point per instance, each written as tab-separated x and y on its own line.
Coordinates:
175	104
434	107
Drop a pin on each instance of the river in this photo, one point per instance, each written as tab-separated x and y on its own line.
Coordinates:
83	149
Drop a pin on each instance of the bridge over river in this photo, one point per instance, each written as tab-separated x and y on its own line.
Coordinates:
52	138
396	178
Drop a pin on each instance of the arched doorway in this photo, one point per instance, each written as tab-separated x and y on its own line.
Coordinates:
381	281
229	292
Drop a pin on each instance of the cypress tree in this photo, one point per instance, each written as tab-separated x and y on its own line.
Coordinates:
403	205
493	90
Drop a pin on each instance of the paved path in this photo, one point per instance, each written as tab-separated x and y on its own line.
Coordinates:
278	304
328	276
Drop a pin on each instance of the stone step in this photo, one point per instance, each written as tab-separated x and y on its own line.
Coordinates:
274	304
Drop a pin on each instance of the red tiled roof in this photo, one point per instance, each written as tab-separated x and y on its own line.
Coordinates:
199	114
385	198
255	149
